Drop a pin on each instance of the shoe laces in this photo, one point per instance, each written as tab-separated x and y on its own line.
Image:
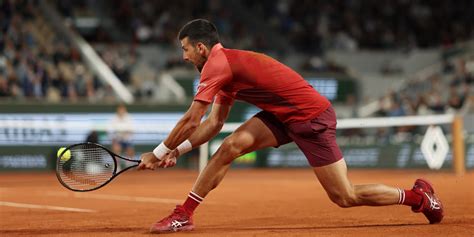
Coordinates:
178	212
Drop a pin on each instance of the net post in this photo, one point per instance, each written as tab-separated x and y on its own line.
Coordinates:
203	156
458	146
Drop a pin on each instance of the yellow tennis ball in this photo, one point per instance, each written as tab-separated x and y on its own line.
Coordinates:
66	156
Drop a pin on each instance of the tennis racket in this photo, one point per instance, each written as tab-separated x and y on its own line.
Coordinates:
89	166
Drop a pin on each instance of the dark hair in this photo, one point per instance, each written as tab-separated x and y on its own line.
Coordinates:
200	30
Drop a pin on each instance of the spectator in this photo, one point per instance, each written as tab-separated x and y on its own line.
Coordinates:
121	129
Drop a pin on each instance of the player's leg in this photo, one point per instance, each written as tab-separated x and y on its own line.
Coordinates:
333	178
258	132
317	140
421	197
261	131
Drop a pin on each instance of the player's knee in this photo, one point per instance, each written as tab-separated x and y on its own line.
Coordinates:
228	151
344	200
233	146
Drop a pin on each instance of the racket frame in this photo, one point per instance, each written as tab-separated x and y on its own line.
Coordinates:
114	173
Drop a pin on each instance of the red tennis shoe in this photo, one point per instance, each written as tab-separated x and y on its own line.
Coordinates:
179	220
430	206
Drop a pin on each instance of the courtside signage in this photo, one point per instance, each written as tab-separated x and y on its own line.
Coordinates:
62	129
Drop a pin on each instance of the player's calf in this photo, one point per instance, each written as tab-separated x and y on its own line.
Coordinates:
343	200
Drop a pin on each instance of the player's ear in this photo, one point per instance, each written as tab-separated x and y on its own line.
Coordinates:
202	48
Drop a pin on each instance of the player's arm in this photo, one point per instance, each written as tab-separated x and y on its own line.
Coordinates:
183	129
187	125
215	74
206	130
211	126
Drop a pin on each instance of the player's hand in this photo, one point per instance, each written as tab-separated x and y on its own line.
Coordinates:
169	160
148	161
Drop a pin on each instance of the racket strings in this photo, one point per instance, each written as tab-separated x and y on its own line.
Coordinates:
88	167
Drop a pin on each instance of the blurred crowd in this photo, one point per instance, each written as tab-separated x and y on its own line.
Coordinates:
313	26
160	21
309	26
36	64
446	91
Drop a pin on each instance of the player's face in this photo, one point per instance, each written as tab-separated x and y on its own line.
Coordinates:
194	53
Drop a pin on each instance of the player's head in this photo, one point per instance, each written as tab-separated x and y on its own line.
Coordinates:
197	38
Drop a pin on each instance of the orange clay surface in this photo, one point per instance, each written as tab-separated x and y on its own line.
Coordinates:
265	202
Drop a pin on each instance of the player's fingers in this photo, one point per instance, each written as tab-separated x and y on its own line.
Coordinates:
155	166
170	162
173	162
161	163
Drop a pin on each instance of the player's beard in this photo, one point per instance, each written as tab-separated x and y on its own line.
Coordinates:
200	64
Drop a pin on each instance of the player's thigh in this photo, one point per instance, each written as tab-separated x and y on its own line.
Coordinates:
334	179
251	135
257	133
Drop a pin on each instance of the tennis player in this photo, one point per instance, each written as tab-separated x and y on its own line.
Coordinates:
292	111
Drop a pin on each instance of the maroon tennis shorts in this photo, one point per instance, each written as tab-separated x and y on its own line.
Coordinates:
316	138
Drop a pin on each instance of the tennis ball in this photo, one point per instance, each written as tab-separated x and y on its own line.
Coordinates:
66	156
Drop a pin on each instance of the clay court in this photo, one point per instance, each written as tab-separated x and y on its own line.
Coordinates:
267	202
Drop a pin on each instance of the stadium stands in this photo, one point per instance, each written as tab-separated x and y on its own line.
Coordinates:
371	24
37	64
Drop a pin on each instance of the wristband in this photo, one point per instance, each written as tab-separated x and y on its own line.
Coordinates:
161	150
184	147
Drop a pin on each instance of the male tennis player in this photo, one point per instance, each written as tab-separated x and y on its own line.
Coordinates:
292	111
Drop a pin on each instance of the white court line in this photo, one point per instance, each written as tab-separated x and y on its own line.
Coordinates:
34	206
115	197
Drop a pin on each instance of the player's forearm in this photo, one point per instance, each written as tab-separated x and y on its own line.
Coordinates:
181	132
205	132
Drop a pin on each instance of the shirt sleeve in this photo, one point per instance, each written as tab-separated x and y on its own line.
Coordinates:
215	74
